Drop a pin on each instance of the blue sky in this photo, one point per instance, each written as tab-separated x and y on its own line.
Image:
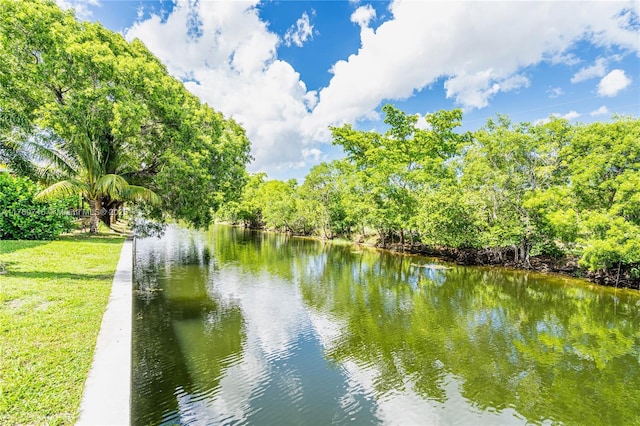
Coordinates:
289	69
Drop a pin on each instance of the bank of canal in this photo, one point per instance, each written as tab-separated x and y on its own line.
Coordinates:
236	326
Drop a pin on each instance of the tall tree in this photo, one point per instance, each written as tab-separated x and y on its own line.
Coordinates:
330	191
402	163
77	83
603	160
509	165
92	181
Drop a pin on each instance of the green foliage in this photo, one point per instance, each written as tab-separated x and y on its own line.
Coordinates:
203	167
395	168
603	160
24	218
449	217
329	203
77	91
332	190
518	189
609	241
249	209
90	178
513	170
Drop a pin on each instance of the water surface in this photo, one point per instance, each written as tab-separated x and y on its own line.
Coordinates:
241	327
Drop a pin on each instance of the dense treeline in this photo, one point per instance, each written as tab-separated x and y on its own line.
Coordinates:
102	118
85	112
509	193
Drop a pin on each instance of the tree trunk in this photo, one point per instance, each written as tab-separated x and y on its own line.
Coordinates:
112	207
114	211
96	207
526	251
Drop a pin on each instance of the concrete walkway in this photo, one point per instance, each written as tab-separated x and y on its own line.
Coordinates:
106	398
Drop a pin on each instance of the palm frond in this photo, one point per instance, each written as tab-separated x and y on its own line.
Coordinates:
49	152
87	154
14	157
49	175
63	188
111	185
139	193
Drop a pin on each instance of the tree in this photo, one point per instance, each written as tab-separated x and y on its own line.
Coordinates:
603	160
509	165
450	217
399	165
93	183
79	84
330	193
278	205
203	167
247	209
13	156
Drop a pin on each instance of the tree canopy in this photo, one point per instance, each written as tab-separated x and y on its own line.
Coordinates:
504	193
67	84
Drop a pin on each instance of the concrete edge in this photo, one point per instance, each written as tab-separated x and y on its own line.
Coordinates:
107	391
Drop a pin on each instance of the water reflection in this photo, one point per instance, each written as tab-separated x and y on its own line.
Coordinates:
234	326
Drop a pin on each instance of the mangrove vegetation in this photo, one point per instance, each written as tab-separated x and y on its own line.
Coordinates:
548	195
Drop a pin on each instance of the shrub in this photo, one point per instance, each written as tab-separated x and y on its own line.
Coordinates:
23	218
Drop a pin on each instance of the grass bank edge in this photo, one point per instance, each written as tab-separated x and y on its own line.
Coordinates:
52	299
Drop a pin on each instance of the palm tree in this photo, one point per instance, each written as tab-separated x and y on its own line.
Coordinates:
12	155
93	172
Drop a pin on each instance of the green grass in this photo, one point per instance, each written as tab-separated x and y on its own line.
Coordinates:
52	299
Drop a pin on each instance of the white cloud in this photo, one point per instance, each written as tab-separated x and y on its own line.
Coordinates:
564	58
311	99
422	122
474	91
363	15
235	69
312	153
81	7
603	110
613	83
569	116
598	69
309	155
555	92
477	49
299	33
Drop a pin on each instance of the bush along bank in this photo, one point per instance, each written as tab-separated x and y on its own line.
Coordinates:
627	276
24	218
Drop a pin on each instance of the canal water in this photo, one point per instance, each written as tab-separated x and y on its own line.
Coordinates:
241	327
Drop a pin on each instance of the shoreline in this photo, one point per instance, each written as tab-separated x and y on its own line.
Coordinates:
107	389
566	265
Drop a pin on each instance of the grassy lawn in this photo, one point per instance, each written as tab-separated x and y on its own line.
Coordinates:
52	299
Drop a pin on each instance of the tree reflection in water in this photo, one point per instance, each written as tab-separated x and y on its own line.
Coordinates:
268	328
